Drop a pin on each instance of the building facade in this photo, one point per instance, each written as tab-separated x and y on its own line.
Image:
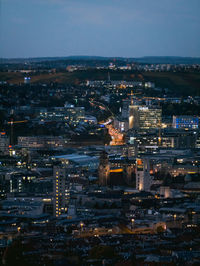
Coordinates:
104	169
185	121
143	177
144	117
59	190
42	142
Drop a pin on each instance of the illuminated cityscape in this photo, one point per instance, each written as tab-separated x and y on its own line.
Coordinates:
99	143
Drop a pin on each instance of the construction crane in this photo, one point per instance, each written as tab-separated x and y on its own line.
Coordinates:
12	123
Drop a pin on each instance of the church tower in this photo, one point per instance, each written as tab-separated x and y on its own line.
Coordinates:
104	169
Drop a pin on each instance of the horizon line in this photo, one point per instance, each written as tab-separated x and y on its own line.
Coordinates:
108	57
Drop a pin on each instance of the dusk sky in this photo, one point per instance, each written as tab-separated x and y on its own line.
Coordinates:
128	28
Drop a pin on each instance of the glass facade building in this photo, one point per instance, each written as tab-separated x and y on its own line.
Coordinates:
191	122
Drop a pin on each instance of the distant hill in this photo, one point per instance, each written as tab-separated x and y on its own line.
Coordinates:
142	60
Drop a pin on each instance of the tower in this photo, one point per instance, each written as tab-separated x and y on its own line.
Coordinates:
143	178
104	169
128	170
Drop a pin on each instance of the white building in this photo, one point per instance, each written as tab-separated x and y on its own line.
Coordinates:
143	177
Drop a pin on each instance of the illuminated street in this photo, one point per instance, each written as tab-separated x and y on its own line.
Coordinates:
117	138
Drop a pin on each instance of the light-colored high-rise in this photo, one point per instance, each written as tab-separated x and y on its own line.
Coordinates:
144	117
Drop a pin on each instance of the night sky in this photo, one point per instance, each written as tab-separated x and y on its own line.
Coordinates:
128	28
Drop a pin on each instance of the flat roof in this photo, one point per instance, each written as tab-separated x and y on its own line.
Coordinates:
76	157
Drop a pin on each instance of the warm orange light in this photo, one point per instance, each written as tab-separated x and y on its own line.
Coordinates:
17	122
116	170
139	162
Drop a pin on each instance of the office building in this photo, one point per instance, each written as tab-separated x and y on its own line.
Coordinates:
185	121
149	117
144	117
69	113
42	142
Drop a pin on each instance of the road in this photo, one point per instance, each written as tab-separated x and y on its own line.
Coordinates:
117	137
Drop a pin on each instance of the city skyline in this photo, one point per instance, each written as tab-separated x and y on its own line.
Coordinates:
99	132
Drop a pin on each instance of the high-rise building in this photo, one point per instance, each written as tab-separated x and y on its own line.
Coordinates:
60	191
149	117
125	109
133	117
143	177
144	117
